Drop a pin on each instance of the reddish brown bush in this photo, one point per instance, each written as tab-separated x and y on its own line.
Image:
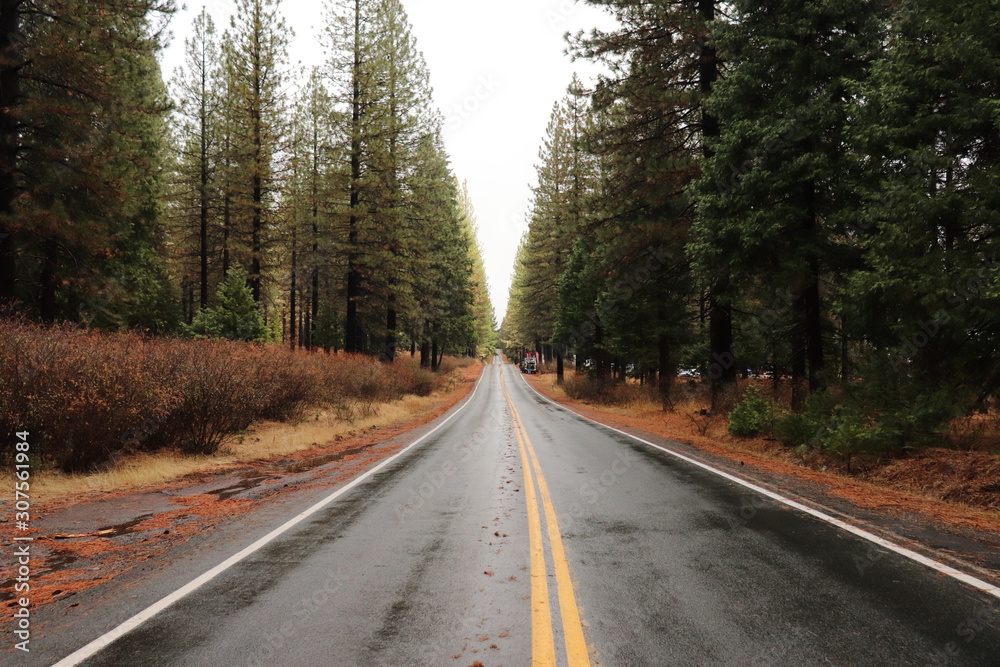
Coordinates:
88	397
581	387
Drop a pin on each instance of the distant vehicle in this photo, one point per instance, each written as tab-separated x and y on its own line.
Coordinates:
688	373
530	363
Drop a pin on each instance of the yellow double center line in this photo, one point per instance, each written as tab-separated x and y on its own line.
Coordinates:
542	634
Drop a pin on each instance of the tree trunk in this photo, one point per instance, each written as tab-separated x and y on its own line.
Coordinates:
203	212
434	355
292	298
227	225
354	336
10	92
814	328
314	302
722	368
666	370
307	331
390	334
425	354
256	249
47	309
845	350
602	359
812	300
560	372
800	385
720	316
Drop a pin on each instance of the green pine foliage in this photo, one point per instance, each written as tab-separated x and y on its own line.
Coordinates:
807	188
335	206
236	316
754	415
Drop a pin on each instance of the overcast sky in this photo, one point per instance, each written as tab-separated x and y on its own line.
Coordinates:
496	67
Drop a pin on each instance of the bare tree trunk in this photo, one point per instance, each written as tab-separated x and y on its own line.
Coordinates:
800	385
10	93
720	315
390	333
354	336
47	308
292	295
665	381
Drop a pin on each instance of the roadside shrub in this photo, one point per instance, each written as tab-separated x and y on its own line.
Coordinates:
872	419
88	398
236	317
582	387
412	379
809	427
83	396
754	415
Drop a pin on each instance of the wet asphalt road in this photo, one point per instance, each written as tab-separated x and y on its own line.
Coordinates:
431	562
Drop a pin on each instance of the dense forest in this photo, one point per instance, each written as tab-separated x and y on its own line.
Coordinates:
805	192
242	198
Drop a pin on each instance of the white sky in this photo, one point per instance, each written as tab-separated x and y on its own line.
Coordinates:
496	68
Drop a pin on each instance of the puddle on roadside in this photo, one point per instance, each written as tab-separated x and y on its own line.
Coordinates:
228	492
57	561
122	528
255	479
309	464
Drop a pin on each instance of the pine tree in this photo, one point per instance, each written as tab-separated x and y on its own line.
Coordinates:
313	230
483	342
81	133
256	52
236	316
380	79
926	294
566	176
199	107
779	186
662	65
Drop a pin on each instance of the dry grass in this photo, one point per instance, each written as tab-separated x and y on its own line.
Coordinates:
263	441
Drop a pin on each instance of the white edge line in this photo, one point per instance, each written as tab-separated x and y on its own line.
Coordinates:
822	516
149	612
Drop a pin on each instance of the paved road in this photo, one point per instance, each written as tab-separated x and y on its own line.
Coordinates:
519	534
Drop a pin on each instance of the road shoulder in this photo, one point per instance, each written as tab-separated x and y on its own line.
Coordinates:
964	537
83	545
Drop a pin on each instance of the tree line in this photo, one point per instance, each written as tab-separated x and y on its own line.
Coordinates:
806	189
247	199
